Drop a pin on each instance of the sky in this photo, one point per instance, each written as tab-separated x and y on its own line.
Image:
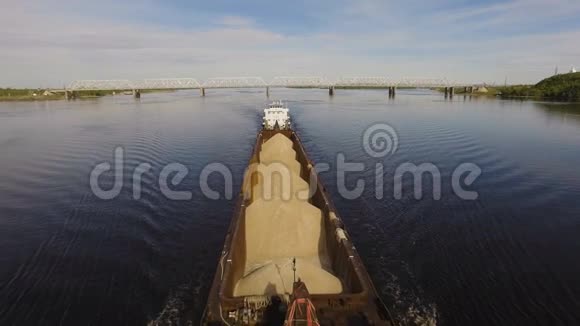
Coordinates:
50	43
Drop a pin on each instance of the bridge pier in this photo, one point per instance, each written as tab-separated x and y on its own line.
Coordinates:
331	90
392	91
202	91
136	93
268	92
70	95
449	91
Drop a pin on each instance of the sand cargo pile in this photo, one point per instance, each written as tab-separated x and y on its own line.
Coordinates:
286	235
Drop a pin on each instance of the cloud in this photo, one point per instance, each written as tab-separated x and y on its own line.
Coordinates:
520	15
236	21
51	44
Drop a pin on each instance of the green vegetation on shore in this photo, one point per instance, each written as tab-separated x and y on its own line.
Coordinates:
565	87
13	94
27	94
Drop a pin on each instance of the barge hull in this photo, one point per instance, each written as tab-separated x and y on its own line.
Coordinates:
358	304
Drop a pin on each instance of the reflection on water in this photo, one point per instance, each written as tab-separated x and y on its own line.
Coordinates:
561	111
509	257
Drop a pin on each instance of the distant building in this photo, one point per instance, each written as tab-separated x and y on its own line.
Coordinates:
572	70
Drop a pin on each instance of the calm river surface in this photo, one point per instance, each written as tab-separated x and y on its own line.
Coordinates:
510	257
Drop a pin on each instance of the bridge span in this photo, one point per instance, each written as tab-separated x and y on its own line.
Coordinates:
257	82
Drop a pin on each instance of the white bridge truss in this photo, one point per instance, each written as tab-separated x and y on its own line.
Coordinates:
114	85
365	82
311	82
235	82
258	82
423	82
100	85
167	83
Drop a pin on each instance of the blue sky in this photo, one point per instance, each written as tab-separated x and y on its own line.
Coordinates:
52	42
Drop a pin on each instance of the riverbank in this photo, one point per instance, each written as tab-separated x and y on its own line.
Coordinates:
12	94
478	91
565	87
26	94
28	98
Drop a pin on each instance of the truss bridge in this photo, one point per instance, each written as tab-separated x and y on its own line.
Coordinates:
378	82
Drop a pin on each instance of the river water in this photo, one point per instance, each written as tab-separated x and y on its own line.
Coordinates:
509	257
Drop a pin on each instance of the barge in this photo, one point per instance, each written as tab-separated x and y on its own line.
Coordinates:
287	258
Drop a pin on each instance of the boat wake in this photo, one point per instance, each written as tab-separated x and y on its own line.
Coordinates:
420	315
409	308
177	309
